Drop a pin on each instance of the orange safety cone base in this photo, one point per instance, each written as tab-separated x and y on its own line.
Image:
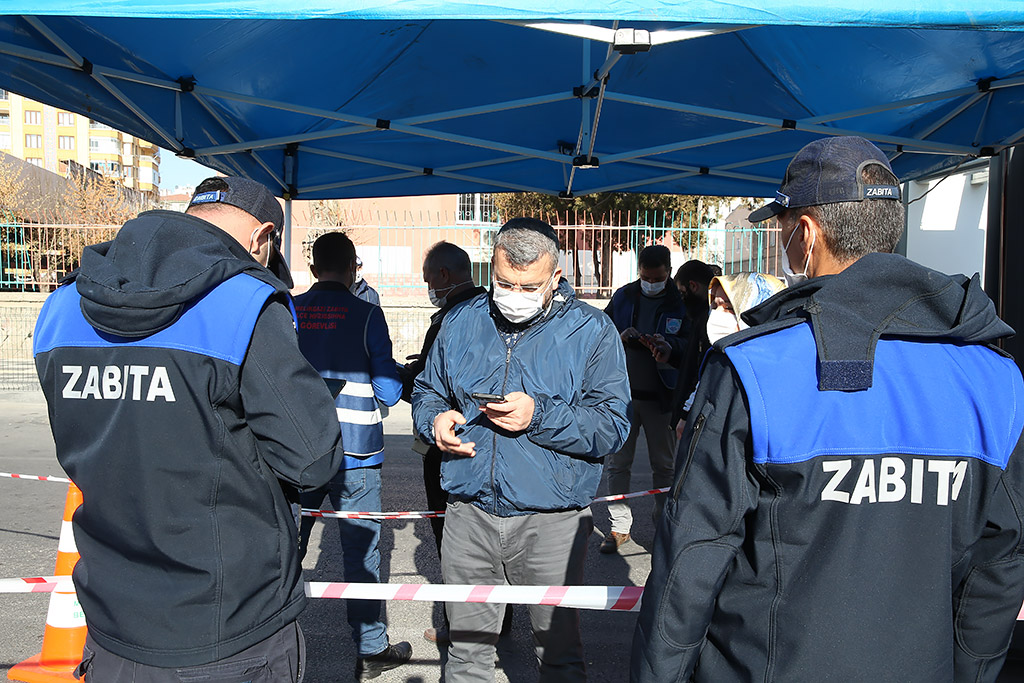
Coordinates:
32	670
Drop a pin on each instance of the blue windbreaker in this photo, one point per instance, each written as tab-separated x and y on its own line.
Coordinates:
571	362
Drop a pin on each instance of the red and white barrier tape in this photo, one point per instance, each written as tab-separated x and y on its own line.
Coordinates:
33	477
611	598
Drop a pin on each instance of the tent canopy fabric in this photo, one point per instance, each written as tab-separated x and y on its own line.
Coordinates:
411	98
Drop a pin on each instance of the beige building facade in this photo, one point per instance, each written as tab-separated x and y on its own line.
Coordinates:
49	137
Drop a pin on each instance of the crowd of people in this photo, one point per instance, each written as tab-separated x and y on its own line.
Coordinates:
846	491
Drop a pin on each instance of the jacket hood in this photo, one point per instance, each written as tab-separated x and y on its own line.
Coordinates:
878	295
141	281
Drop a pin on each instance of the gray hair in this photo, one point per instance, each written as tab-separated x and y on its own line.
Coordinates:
447	255
524	246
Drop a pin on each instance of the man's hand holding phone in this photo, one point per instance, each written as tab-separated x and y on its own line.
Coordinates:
444	434
514	413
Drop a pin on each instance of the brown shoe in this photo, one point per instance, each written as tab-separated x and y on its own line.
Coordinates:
612	541
436	635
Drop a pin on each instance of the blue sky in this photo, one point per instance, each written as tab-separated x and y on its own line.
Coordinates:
175	171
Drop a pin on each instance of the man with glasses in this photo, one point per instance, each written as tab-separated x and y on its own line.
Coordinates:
525	391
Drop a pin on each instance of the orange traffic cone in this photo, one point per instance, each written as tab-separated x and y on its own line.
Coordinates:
64	635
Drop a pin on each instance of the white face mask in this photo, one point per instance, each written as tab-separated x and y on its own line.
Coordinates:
440	301
787	270
652	288
518	307
721	323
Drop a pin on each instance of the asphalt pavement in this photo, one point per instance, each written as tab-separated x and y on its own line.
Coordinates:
30	516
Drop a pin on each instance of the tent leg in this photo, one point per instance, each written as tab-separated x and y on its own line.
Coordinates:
286	238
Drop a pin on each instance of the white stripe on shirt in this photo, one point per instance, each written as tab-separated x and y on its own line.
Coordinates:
358	417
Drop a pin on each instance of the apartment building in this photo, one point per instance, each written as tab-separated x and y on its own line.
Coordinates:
49	137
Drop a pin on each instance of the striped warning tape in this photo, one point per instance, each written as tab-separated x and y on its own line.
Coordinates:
329	514
34	477
610	598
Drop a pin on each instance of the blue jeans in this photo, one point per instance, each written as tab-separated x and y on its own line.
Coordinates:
355	491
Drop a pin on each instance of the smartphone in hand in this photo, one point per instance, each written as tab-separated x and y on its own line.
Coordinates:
488	398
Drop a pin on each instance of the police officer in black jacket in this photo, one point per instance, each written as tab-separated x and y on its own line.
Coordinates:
178	399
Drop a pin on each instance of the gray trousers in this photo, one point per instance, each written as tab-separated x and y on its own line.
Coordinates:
661	447
542	549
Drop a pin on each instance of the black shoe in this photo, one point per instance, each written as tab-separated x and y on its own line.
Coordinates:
391	658
506	623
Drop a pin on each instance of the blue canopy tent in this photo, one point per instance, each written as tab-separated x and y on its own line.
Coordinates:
428	96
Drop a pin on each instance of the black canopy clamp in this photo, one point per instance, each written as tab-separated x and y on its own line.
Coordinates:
186	153
187	83
428	171
985	84
583	161
86	66
383	124
579	94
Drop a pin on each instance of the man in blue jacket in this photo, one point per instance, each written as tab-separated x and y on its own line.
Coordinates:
521	469
650	316
346	340
849	493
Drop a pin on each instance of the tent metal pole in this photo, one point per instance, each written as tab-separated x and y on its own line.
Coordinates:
286	238
390	164
37	56
955	112
485	109
74	56
234	134
436	172
689	144
358	120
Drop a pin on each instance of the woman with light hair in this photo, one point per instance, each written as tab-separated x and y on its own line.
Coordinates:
730	296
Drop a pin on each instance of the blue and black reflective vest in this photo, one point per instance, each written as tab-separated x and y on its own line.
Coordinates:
346	338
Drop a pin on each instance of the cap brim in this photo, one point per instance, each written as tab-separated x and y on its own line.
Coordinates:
767	211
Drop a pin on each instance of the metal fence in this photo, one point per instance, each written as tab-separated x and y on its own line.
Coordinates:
595	258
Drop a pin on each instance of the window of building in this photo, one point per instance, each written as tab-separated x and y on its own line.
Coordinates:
66	141
5	140
33	117
104	145
35	161
96	125
65	118
476	208
5	119
3	94
33	141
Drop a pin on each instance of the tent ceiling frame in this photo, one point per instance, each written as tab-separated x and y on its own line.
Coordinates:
413	126
85	65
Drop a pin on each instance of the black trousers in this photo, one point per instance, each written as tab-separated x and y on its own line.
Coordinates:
437	497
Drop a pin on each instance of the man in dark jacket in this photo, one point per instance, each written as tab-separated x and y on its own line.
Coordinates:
692	279
178	398
361	288
848	494
346	339
522	468
448	274
647	312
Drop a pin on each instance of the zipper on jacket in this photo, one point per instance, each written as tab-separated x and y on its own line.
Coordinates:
494	443
698	427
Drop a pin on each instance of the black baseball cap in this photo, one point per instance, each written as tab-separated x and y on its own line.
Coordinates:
256	200
248	195
828	171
